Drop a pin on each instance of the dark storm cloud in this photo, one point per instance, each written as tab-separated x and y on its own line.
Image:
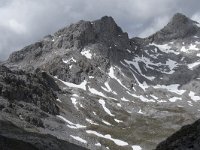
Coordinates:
25	21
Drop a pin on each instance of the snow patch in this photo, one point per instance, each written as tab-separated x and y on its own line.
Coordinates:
170	64
183	49
79	86
154	97
94	113
107	123
98	144
74	102
193	47
102	102
140	112
193	97
91	122
128	50
135	62
136	147
108	136
75	95
108	88
165	48
86	53
161	101
141	97
118	121
71	125
91	77
112	75
174	99
190	48
191	66
79	139
190	103
119	105
94	91
172	88
69	60
124	99
58	100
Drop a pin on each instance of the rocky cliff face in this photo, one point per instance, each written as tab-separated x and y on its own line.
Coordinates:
91	85
38	89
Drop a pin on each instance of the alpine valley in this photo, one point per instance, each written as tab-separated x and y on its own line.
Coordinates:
90	86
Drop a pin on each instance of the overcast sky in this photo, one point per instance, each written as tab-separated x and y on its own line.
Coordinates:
25	21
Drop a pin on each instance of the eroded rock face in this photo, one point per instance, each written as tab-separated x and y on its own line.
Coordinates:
37	89
187	138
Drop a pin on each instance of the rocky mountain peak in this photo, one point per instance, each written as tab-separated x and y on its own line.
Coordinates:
179	18
107	24
180	22
104	31
85	32
179	26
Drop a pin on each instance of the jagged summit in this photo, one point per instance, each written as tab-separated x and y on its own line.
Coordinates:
104	32
105	24
179	26
84	32
180	22
179	18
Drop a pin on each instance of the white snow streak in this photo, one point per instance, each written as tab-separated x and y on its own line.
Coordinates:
71	125
102	102
172	88
108	136
191	66
80	86
112	75
107	123
74	102
94	91
193	97
174	99
118	121
58	100
136	147
79	139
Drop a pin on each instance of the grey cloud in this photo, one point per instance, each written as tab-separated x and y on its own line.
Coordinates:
25	21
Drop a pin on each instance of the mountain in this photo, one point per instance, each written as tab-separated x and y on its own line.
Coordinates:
92	85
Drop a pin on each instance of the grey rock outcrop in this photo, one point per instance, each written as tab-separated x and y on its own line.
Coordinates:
187	138
37	89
